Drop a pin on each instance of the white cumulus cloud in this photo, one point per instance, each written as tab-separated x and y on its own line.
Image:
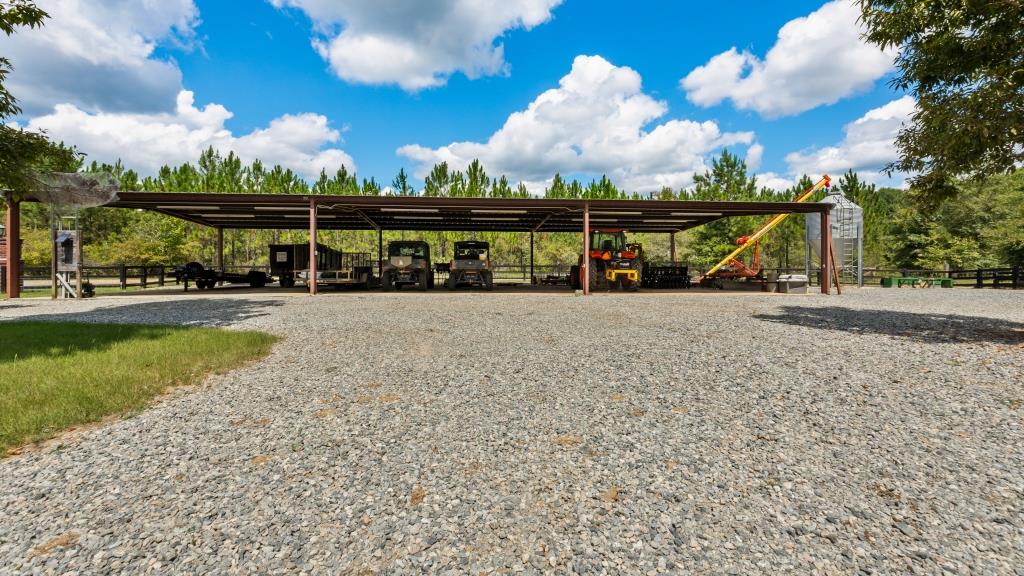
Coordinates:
774	181
816	60
146	142
754	155
98	55
416	44
868	146
596	122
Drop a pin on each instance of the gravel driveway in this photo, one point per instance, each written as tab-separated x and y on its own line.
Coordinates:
880	432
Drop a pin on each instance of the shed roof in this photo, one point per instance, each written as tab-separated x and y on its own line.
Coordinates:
283	211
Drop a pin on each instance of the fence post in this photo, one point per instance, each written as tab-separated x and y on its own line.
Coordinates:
123	276
978	282
145	272
160	277
1016	277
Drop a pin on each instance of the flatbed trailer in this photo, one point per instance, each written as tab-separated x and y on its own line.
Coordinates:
207	278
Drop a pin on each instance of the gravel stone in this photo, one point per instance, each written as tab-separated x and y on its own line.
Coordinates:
879	432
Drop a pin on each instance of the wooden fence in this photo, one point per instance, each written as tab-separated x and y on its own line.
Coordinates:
125	276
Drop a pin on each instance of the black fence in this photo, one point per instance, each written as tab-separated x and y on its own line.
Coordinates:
125	276
1012	278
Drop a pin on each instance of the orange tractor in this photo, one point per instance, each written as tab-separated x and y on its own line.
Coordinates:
614	263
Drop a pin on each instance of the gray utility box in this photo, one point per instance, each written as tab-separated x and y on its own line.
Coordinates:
793	284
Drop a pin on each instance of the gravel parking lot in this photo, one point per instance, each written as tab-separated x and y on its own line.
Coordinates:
880	432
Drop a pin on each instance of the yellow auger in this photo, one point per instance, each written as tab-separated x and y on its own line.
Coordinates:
747	241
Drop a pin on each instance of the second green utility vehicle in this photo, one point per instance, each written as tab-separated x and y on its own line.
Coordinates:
471	265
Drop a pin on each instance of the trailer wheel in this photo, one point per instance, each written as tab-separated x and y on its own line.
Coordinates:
257	279
193	270
385	282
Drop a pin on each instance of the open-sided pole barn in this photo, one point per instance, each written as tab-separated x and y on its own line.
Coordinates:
278	211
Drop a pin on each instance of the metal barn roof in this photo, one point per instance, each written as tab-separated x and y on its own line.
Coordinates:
282	211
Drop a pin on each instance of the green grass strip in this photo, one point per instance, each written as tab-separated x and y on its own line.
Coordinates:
57	375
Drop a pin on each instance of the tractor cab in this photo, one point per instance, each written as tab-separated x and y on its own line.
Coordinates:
610	245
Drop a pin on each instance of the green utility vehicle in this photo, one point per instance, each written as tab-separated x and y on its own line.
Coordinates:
408	264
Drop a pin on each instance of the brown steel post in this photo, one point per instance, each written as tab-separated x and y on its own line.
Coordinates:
531	258
219	256
672	247
312	247
380	252
78	267
586	249
826	247
53	255
13	248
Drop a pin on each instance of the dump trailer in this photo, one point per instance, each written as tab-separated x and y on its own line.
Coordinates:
408	263
471	265
614	263
290	263
206	278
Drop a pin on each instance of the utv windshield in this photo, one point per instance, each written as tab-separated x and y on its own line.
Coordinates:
470	253
607	241
415	250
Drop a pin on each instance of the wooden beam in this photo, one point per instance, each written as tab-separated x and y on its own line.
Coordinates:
13	224
312	247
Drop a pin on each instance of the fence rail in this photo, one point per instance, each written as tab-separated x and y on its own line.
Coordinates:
125	276
977	278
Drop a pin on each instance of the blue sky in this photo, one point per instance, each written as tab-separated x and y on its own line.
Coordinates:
318	83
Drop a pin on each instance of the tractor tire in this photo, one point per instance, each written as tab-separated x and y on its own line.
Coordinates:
421	282
598	282
574	278
385	282
194	270
631	286
615	285
488	281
